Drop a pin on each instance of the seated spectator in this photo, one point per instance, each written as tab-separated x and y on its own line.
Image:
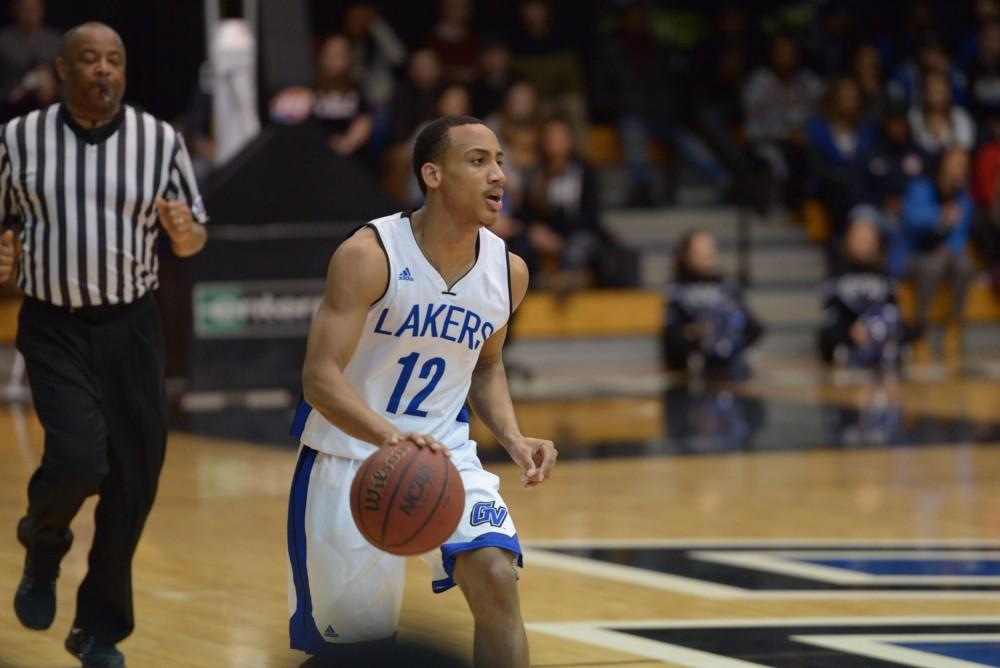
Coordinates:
938	123
559	234
777	101
454	100
414	99
28	50
931	245
708	325
340	105
518	126
412	104
908	85
984	77
986	194
866	68
545	55
376	52
838	141
453	40
495	79
633	85
892	162
862	326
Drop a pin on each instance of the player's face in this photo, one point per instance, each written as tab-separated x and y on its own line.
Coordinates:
94	72
472	175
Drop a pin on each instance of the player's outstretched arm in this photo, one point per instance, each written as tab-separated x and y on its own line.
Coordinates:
489	397
356	278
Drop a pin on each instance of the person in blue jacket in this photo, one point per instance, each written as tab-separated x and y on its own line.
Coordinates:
931	243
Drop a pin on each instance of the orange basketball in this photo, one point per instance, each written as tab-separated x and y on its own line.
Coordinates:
406	499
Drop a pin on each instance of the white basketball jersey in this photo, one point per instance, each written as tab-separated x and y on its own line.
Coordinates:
420	343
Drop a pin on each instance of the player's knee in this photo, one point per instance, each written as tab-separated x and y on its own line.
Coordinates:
490	581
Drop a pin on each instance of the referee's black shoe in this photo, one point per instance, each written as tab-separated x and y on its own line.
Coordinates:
93	653
35	600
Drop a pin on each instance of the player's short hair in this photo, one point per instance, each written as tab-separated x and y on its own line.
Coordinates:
432	142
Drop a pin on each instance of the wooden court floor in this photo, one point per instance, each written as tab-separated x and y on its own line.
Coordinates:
210	574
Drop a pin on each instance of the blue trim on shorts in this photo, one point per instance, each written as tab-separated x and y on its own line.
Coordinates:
463	415
302	629
299	421
450	550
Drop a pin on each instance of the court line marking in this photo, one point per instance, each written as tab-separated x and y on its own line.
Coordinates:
881	647
605	634
680	584
782	562
860	542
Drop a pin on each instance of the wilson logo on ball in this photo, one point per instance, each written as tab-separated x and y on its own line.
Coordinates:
406	499
373	494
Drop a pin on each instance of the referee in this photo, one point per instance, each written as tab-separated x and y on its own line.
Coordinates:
89	184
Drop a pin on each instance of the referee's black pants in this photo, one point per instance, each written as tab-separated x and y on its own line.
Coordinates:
97	380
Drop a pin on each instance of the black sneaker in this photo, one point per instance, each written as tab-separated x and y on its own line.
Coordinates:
35	600
93	653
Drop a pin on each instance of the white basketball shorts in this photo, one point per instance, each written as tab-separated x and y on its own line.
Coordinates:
342	589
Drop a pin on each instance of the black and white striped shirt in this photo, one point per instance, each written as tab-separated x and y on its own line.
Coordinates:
84	201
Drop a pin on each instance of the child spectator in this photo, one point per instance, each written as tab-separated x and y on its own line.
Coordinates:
708	325
862	326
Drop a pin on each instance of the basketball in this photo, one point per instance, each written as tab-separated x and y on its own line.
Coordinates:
406	499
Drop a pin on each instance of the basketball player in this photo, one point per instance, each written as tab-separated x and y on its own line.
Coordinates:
412	324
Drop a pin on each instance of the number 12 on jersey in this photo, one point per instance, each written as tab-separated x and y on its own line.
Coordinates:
431	369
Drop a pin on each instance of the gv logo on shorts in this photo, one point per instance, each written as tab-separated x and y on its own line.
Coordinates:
484	512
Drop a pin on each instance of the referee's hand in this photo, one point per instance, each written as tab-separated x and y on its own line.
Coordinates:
6	255
176	219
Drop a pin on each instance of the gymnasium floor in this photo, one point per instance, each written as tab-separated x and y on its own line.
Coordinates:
698	527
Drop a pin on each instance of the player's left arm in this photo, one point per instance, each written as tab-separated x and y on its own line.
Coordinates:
489	396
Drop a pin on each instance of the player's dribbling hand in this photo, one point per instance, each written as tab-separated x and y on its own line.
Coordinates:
422	440
6	255
536	457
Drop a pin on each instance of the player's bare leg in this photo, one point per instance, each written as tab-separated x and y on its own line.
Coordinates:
489	582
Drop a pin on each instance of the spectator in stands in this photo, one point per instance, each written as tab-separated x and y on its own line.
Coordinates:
892	162
453	40
931	245
909	81
839	139
376	52
544	54
416	97
986	194
520	108
984	77
777	101
518	126
453	100
560	235
862	326
708	326
495	78
412	104
938	123
28	50
866	68
632	79
340	105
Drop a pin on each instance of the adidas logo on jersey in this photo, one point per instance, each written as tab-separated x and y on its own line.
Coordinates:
330	633
405	275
